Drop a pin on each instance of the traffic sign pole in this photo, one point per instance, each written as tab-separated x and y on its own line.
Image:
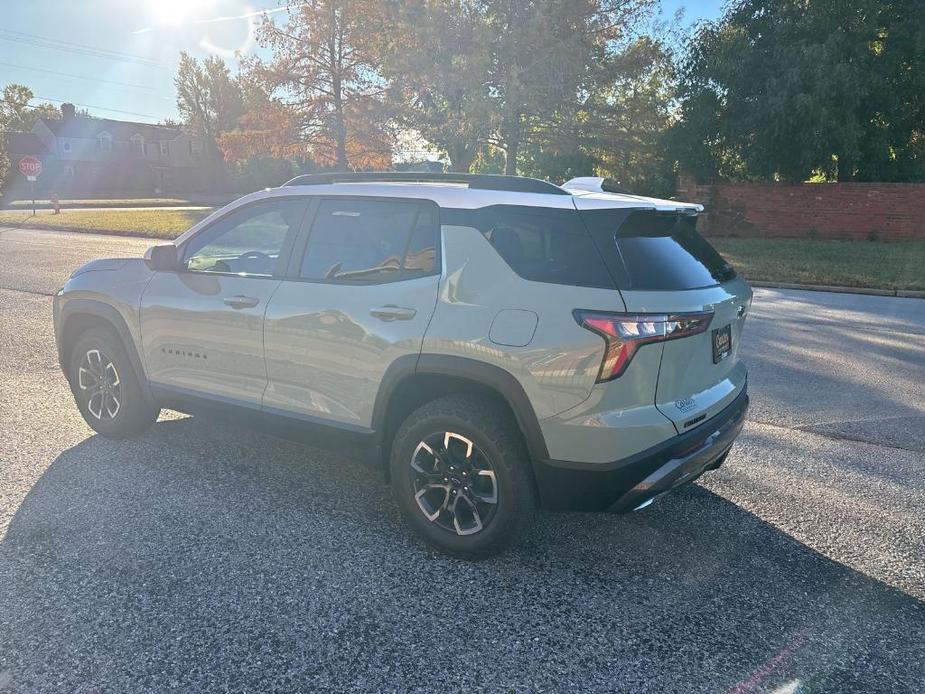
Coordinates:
31	168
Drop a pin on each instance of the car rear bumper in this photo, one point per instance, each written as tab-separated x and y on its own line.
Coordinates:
626	484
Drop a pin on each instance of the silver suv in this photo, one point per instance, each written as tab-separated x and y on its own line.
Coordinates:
496	341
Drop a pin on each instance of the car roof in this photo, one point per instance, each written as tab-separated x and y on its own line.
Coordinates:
459	196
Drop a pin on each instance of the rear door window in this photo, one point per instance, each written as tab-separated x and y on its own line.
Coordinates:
370	241
656	251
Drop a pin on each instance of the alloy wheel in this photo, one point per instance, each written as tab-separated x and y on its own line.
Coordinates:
98	379
454	483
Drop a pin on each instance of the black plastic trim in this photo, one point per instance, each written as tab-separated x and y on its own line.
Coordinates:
316	431
566	485
487	375
71	308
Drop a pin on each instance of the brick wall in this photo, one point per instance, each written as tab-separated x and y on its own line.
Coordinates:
883	211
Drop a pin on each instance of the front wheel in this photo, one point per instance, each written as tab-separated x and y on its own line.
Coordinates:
105	387
460	476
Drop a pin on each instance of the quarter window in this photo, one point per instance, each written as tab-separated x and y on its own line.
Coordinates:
248	241
370	241
545	245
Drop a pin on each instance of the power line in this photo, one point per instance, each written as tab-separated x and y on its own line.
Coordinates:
79	77
71	47
98	108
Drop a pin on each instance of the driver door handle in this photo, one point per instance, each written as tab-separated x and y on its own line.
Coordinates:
241	301
390	313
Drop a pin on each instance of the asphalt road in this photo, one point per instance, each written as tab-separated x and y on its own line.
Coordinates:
205	557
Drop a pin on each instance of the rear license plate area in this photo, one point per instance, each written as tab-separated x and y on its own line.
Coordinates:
722	343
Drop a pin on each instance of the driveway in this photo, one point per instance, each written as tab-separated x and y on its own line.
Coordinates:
205	557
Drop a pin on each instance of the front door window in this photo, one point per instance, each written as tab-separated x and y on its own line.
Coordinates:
246	242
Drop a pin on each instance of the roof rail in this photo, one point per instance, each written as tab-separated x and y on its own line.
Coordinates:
514	184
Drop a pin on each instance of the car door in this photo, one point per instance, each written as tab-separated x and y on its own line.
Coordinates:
358	297
202	327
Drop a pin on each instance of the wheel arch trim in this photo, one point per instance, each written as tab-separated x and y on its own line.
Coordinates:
488	376
75	308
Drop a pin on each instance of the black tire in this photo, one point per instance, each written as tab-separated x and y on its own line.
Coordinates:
497	446
135	413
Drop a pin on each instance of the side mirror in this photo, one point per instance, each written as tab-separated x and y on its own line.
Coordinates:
163	258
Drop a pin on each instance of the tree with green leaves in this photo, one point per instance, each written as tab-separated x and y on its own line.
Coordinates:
547	57
210	102
435	56
788	90
629	121
16	115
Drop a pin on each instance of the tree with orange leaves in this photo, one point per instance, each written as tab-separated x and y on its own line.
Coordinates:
324	96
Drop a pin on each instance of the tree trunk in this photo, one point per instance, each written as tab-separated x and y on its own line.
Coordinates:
340	128
510	162
845	168
215	164
510	134
461	156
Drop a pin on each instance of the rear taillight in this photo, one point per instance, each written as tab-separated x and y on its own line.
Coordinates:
625	333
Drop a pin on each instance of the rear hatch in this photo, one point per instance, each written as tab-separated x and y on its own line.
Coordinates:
666	270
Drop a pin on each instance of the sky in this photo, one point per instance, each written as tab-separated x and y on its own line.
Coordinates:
117	58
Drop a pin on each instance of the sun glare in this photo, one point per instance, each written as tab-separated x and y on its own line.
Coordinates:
176	12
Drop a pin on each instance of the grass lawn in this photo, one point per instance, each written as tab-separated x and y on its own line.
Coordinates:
158	224
899	265
106	202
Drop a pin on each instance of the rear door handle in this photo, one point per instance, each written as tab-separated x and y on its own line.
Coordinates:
241	301
390	313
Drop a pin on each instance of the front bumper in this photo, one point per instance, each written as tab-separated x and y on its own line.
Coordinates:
626	484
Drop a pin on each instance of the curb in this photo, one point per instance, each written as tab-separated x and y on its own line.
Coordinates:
903	293
86	230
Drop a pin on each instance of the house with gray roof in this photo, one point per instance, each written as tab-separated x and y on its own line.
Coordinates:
85	156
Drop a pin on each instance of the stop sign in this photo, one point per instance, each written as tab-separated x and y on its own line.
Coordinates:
30	166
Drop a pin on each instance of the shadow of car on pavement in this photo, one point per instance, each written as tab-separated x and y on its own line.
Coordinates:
204	556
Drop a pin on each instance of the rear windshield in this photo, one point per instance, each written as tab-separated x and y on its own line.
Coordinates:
656	251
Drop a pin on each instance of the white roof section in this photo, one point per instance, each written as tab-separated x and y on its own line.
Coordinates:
444	194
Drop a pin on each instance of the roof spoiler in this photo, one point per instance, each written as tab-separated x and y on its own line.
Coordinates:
595	184
608	186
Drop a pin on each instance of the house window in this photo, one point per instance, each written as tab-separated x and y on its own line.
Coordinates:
165	148
104	142
69	171
138	145
66	146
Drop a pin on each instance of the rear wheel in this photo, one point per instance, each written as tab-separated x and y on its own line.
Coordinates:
105	387
460	476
